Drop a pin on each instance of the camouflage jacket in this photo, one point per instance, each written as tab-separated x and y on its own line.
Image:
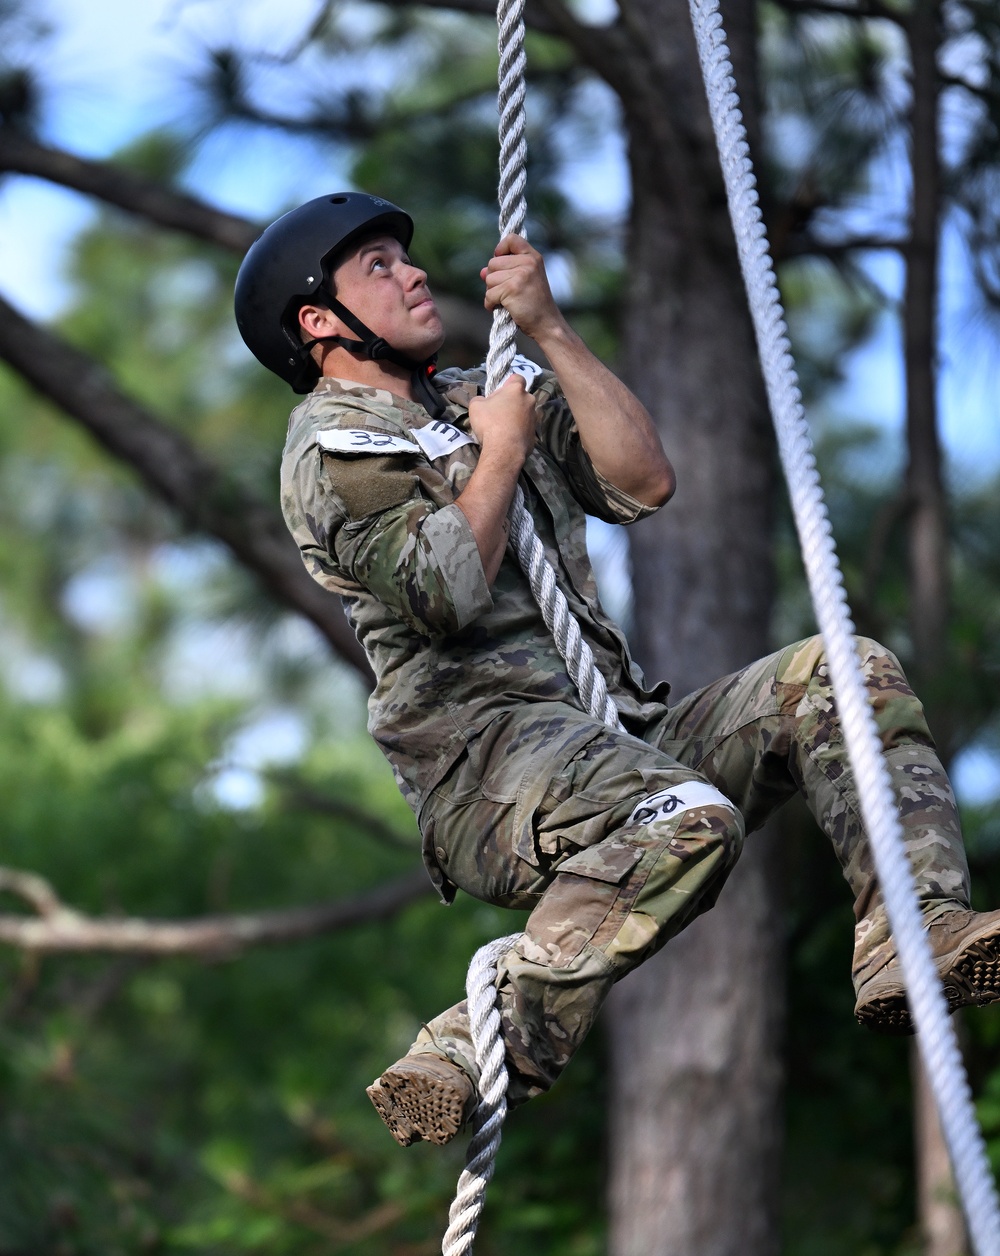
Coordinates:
368	488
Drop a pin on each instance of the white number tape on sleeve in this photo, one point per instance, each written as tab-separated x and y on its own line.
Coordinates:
528	370
672	802
440	438
348	440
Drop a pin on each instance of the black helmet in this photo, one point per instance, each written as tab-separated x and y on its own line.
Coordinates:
290	263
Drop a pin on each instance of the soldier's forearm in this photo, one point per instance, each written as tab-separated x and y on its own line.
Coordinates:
486	499
615	427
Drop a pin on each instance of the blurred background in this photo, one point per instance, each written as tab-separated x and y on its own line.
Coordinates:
182	717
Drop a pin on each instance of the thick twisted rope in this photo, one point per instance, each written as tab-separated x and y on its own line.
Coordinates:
937	1041
558	617
467	1207
463	1217
513	170
524	541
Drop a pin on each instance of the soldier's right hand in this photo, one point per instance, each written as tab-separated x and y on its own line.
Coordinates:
506	418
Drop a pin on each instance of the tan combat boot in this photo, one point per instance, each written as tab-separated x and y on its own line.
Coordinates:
966	949
423	1097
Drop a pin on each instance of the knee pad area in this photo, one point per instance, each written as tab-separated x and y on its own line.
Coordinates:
675	851
688	831
671	803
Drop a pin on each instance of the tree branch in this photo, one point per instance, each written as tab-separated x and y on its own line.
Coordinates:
533	16
599	47
58	928
206	499
302	1212
348	123
605	49
466	322
809	246
863	9
19	154
985	92
301	794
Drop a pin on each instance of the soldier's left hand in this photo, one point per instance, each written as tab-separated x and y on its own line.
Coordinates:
515	278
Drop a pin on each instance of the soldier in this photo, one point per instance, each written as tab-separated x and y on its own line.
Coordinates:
396	481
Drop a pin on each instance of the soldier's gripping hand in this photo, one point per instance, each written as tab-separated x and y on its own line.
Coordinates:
515	278
504	422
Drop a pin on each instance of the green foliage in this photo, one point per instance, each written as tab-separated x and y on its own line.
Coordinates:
189	1107
186	1107
181	1106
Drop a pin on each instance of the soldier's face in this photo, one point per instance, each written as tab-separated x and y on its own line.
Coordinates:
379	284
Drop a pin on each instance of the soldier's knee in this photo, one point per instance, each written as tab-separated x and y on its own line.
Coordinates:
899	713
675	802
688	854
806	663
801	663
689	849
642	883
876	659
693	820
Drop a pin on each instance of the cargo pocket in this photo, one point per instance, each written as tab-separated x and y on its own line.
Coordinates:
547	785
585	890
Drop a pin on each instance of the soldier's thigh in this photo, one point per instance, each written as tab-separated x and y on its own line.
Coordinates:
478	821
596	793
505	820
735	730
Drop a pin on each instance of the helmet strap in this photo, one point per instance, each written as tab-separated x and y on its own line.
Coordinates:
425	392
375	349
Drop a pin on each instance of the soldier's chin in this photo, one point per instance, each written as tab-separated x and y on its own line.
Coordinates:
431	343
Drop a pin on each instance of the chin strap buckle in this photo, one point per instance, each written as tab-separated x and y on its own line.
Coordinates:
425	392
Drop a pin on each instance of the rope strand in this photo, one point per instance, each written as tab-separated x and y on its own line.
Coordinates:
560	621
937	1041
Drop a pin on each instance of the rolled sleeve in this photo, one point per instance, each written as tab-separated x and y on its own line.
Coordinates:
420	561
617	505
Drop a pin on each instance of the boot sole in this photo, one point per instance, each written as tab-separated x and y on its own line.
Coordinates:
971	979
416	1103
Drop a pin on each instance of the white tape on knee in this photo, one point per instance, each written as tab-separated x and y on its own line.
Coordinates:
669	803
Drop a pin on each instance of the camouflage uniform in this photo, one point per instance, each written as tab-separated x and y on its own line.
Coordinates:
615	840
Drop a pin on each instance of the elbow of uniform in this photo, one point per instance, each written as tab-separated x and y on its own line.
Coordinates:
446	615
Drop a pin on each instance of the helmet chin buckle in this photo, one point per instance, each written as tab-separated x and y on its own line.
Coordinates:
378	350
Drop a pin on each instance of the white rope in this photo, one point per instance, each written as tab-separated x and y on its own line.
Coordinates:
467	1207
937	1041
513	170
558	617
480	988
524	541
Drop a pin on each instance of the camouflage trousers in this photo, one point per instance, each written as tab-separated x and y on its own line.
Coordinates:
617	841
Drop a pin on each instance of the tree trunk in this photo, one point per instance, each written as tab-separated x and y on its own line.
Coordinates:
939	1215
928	515
695	1094
942	1226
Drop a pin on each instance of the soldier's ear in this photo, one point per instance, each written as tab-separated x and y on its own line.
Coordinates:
316	321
